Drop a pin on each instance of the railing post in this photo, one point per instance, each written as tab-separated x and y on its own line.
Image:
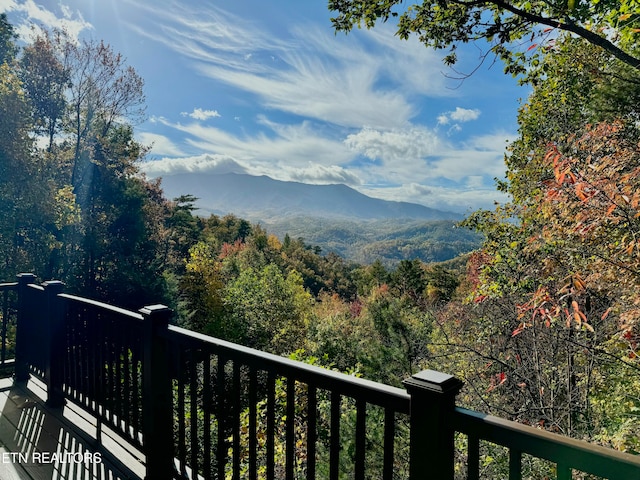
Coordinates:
54	356
22	325
157	407
432	437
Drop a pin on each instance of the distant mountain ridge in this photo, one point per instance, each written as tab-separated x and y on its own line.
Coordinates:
261	198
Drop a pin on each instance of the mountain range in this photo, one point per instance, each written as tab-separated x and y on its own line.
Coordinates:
261	198
335	218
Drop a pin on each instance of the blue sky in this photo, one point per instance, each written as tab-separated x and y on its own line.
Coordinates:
267	88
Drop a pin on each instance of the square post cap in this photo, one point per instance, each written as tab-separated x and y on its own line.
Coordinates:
434	382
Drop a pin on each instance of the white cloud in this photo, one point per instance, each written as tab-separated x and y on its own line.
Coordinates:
32	14
321	174
200	114
219	164
394	146
482	155
463	200
459	115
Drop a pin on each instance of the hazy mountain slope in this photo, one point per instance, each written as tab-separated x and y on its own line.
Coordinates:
263	198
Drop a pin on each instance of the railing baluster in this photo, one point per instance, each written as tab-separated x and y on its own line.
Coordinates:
237	408
515	464
89	372
100	346
271	425
473	457
5	318
290	428
253	441
111	375
389	443
564	472
312	407
120	353
206	410
182	428
334	442
221	414
137	382
361	418
193	395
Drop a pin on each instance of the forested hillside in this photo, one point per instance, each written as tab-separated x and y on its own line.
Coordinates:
388	241
541	321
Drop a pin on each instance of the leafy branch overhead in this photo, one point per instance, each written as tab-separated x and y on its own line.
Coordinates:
514	28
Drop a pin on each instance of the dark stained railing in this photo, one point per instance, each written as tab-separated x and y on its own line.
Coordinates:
568	454
219	383
200	407
102	368
8	310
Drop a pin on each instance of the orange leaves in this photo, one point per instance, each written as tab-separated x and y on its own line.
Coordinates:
548	308
579	318
518	330
497	380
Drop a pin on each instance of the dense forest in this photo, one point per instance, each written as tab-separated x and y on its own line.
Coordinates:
387	240
541	322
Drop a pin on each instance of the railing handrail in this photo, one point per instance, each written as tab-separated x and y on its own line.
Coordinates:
375	393
557	448
101	305
8	285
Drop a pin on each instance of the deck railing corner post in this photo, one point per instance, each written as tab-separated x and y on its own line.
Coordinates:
54	359
22	333
157	406
432	436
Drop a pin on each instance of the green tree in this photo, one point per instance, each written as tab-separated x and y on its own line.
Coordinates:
29	201
201	291
269	310
46	79
184	230
506	26
8	35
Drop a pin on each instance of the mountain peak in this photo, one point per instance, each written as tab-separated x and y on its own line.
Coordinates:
262	198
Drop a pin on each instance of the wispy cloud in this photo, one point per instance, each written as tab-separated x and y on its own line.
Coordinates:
306	71
278	144
159	144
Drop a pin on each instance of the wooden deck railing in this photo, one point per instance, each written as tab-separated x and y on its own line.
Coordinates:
200	407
